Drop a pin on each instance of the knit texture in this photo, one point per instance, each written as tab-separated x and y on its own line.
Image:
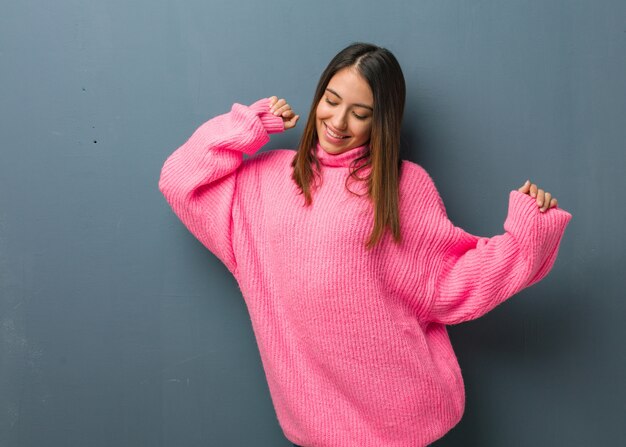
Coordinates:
353	342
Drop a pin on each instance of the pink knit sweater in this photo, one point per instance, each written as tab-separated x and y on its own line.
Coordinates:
353	342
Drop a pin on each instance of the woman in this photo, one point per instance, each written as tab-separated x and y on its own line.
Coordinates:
350	318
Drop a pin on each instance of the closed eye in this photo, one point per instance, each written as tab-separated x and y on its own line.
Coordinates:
356	115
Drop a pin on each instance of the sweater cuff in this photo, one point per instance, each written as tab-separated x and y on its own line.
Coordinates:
271	122
525	218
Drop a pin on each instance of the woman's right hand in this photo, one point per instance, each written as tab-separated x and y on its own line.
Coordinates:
279	107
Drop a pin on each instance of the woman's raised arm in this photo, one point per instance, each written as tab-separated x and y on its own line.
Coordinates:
461	276
476	274
199	179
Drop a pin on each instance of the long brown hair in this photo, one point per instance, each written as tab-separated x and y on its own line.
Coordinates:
379	67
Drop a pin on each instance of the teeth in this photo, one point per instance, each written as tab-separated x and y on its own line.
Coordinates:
333	134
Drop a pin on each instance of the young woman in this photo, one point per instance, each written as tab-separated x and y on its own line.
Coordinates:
347	261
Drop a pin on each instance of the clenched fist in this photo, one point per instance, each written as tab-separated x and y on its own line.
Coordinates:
279	107
544	198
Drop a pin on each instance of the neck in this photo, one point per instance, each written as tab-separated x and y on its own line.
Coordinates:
343	159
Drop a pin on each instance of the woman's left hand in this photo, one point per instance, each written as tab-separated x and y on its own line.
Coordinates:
544	198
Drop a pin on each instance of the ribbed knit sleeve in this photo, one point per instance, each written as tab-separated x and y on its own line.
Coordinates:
199	179
478	273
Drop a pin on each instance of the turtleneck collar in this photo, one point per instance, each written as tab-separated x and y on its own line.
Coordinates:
338	160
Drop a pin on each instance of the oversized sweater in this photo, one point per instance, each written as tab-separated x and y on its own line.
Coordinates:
353	342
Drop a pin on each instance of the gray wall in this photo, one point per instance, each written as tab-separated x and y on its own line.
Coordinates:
117	328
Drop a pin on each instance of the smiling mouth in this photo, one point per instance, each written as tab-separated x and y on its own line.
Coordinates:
333	134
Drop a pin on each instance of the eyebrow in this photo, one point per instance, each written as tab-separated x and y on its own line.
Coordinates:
358	105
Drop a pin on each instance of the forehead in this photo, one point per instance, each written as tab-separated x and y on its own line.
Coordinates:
351	86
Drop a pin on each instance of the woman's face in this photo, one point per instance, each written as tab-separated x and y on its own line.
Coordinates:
343	117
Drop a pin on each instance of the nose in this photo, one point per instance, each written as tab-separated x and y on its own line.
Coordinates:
339	121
